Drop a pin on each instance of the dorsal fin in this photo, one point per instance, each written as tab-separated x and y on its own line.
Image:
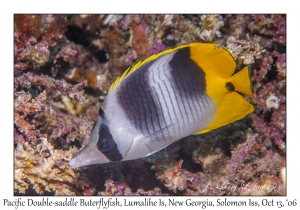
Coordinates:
210	58
204	54
129	71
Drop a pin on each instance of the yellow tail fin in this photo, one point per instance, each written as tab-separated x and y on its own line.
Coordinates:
241	82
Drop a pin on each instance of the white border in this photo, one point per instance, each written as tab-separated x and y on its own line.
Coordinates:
8	8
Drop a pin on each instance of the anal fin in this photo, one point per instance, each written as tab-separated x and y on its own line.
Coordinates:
233	107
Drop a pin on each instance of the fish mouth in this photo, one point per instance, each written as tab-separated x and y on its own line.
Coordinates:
88	156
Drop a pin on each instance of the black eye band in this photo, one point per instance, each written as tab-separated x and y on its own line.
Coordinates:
107	145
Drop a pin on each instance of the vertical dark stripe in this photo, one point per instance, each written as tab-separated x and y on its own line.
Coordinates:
193	85
128	100
191	94
144	102
141	106
134	100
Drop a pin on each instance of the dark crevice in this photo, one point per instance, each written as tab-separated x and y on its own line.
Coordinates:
188	162
99	54
148	182
75	143
279	47
284	139
268	115
77	36
126	172
272	73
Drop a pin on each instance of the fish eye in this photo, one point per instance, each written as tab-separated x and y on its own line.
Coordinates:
105	145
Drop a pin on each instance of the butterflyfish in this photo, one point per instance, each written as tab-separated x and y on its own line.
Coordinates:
191	89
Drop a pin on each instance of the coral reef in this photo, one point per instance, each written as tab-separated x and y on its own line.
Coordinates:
34	37
64	66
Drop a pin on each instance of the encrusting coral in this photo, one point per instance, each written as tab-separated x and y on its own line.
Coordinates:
64	66
47	170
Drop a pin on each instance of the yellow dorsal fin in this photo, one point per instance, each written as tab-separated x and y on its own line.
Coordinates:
219	61
129	71
233	107
117	81
241	82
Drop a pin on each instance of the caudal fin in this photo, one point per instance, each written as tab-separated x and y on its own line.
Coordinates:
242	83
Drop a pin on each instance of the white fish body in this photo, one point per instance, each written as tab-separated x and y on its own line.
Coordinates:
159	102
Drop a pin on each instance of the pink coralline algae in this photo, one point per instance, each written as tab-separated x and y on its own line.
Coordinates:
176	178
34	35
53	86
39	164
156	48
274	26
26	109
63	68
241	154
270	89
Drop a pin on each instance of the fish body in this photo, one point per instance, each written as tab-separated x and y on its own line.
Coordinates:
179	92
